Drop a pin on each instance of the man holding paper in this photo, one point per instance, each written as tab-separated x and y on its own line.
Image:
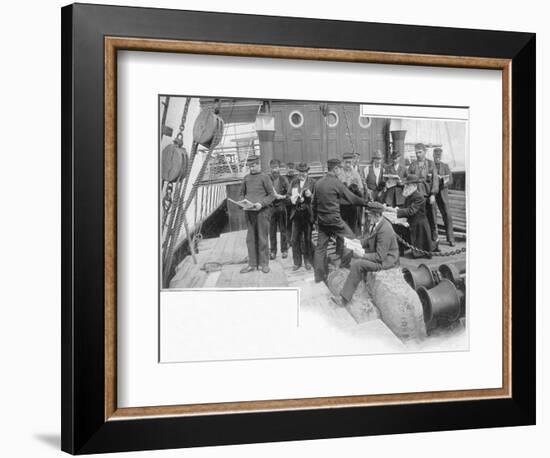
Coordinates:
377	251
394	174
442	197
300	194
278	220
257	188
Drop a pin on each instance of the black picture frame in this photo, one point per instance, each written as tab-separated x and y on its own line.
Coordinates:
84	426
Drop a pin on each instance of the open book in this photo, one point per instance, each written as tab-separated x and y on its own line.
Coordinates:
354	245
245	204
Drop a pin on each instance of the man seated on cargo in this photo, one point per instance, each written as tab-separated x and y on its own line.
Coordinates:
258	189
380	252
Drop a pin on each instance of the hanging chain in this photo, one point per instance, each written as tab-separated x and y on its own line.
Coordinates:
179	137
430	253
167	202
172	196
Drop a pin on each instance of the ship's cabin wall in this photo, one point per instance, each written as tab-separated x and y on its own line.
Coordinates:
304	134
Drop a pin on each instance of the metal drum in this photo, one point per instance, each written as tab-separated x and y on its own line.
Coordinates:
443	302
423	276
453	271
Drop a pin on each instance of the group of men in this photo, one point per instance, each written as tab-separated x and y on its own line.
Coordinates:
292	205
385	184
282	204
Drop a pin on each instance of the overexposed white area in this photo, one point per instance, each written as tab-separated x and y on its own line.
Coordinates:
417	111
143	381
30	292
224	324
451	135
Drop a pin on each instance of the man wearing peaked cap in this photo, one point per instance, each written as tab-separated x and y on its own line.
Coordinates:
328	193
414	210
258	189
375	176
300	194
442	196
428	186
352	180
278	221
291	173
394	174
381	251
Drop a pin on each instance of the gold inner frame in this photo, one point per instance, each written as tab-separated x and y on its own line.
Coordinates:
114	44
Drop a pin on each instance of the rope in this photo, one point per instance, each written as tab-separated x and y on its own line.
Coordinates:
181	219
348	130
173	196
198	233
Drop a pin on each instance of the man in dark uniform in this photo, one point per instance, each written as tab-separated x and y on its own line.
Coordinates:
258	189
428	186
375	176
278	210
414	210
381	252
442	197
394	174
356	166
328	193
352	179
300	193
291	173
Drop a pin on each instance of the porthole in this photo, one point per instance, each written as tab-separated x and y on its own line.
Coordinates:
365	121
296	119
332	119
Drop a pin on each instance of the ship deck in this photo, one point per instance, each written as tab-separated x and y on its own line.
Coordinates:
229	249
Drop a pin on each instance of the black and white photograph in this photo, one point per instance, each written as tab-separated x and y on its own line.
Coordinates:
358	211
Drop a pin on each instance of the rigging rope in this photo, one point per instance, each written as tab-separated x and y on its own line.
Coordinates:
198	233
348	130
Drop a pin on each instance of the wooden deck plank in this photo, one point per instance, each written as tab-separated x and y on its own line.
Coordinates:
231	277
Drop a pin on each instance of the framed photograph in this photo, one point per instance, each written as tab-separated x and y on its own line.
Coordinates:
283	228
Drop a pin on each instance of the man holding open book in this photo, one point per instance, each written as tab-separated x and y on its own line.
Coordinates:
256	196
377	251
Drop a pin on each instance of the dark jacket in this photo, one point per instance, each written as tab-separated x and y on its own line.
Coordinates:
444	169
394	195
301	207
427	173
381	245
372	183
257	187
280	185
415	212
328	194
399	170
